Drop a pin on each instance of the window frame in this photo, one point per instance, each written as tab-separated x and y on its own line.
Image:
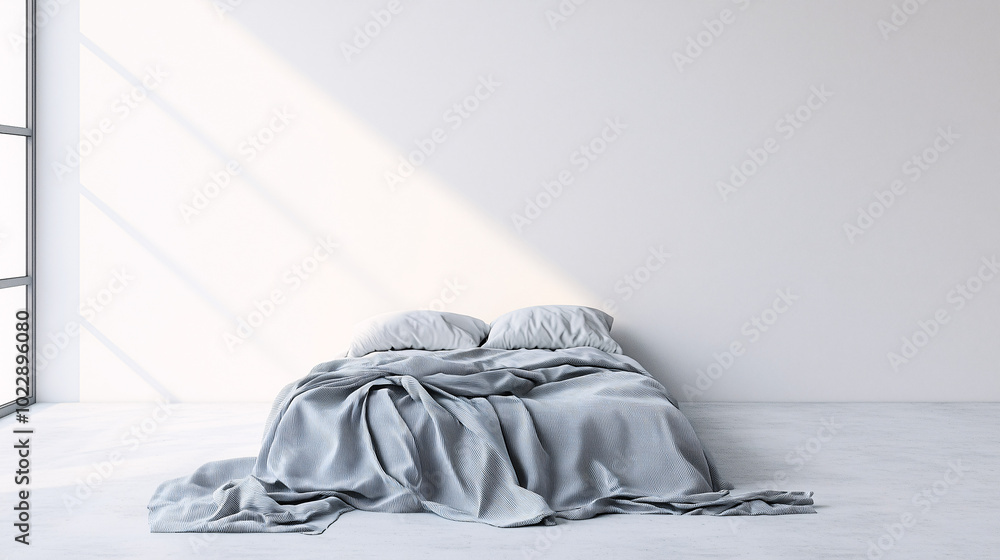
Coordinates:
6	370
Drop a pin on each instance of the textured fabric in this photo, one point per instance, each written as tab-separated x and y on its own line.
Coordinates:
553	327
508	438
420	330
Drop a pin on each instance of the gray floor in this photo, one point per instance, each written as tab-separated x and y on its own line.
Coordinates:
934	466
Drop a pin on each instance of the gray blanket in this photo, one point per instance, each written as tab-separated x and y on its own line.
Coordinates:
508	438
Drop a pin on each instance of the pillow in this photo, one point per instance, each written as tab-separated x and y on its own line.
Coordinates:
553	327
419	330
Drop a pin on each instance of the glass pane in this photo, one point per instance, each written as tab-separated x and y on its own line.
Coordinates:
13	63
13	206
12	300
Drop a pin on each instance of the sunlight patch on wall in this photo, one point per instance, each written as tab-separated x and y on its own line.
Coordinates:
253	213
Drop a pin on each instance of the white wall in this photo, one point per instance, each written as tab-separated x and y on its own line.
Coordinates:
869	99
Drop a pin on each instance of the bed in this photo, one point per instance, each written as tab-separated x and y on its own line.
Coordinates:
534	417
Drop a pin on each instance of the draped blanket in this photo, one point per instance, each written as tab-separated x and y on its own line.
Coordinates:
504	437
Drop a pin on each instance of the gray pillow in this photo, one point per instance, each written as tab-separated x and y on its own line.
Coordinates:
553	327
418	330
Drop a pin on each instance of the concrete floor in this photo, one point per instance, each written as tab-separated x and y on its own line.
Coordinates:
872	466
